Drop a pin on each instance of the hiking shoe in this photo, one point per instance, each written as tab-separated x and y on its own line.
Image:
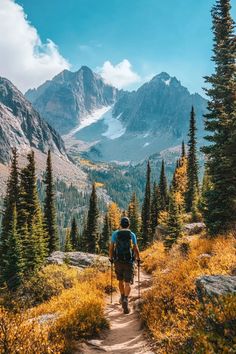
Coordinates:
125	306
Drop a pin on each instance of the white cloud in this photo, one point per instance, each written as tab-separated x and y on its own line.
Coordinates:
120	75
24	59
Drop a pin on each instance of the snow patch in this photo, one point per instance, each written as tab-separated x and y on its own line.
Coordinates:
167	82
115	128
146	144
89	119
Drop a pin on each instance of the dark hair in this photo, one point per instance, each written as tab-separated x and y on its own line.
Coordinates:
124	222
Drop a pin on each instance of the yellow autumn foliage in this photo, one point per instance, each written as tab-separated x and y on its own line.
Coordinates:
114	215
171	309
74	309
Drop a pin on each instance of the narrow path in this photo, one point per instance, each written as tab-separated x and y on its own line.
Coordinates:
126	334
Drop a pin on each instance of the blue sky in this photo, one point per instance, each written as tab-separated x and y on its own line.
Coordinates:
153	35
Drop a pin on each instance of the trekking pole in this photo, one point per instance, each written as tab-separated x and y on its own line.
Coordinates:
139	295
111	281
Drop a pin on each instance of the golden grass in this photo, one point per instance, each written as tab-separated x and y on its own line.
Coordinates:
75	300
171	309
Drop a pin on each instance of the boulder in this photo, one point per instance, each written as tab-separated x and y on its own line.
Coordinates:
194	228
213	286
78	259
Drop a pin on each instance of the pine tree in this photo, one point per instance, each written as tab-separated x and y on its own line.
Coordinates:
174	223
82	243
155	209
192	165
133	215
14	262
163	188
220	210
30	221
179	182
183	152
74	232
146	210
50	218
68	246
92	223
10	201
105	235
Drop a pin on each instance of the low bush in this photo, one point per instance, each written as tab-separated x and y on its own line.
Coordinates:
171	309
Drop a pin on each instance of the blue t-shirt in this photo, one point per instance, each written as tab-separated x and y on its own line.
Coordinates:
114	237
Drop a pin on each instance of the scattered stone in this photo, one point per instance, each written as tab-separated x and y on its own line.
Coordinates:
79	259
215	286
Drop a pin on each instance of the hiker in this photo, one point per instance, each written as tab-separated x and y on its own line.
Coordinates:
123	252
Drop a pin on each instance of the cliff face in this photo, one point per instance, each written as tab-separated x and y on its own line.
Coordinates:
21	126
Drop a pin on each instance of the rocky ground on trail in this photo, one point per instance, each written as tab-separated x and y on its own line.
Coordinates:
126	333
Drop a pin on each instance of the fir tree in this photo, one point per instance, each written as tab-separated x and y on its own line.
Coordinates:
134	215
68	246
146	210
105	235
91	231
10	201
183	152
192	165
155	209
14	262
74	234
220	208
174	223
50	219
114	215
163	188
30	221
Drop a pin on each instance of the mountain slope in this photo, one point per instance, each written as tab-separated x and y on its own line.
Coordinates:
21	126
70	96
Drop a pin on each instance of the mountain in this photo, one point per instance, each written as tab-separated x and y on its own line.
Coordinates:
105	124
22	127
70	96
160	105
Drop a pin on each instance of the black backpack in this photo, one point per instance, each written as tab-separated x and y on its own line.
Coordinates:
124	250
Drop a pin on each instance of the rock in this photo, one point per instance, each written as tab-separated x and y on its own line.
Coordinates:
194	228
78	259
204	256
137	304
215	285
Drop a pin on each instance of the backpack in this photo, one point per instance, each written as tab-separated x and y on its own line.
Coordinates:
124	250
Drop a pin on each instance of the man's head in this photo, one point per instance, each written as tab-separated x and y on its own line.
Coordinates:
124	222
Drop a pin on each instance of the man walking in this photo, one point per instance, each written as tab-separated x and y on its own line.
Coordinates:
123	252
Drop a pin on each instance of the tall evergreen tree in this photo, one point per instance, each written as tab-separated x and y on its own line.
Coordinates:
74	234
174	223
163	188
192	165
68	245
155	209
183	151
10	201
105	235
220	210
14	261
133	215
30	220
50	218
146	210
92	223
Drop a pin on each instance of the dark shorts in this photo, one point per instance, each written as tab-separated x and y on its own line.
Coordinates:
124	272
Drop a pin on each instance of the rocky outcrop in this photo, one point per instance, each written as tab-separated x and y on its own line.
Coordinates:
78	259
69	96
21	126
213	286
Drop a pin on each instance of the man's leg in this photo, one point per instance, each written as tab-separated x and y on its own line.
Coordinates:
121	287
127	289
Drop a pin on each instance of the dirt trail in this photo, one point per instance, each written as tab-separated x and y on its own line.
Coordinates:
126	334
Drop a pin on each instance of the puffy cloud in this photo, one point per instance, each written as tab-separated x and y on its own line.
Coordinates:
24	59
120	75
